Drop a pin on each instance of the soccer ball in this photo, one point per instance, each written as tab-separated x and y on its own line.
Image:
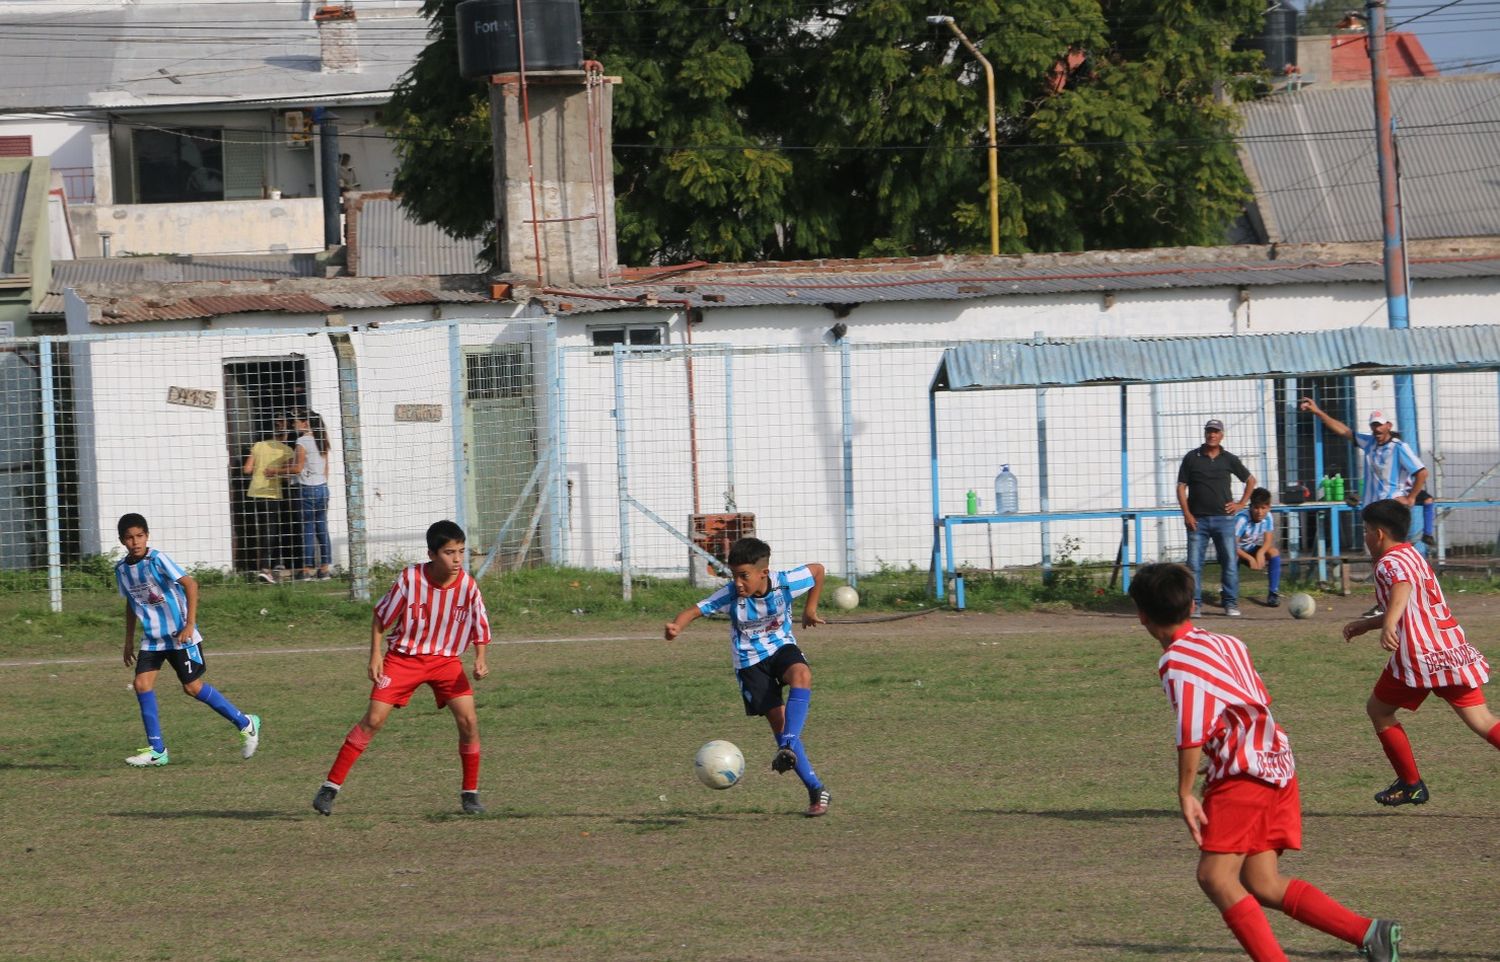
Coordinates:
719	764
845	597
1301	605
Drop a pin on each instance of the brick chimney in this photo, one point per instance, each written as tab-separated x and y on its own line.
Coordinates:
338	38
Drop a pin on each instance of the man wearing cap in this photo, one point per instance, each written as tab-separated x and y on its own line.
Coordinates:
1205	494
1392	469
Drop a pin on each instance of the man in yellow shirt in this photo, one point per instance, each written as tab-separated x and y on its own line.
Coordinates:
265	500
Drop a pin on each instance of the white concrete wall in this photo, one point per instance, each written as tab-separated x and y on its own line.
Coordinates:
218	227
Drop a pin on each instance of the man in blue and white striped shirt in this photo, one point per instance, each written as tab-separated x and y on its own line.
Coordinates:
163	600
1391	469
766	657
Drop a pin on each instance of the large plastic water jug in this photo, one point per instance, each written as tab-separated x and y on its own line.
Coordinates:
1007	491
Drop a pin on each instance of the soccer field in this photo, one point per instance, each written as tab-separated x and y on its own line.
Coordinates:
1003	789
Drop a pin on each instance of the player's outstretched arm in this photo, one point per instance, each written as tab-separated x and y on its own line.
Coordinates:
810	606
1334	424
686	617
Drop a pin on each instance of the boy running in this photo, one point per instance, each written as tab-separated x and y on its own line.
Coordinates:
1255	542
433	612
1429	653
1250	812
766	656
163	599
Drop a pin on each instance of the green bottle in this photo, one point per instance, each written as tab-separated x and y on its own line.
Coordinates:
1338	488
972	502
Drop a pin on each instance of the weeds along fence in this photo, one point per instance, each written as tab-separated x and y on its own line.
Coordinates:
642	461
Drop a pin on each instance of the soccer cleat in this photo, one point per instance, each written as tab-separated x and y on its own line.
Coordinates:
1401	793
1374	611
1429	541
817	802
471	804
147	758
1383	942
1197	609
1232	610
325	575
784	760
250	737
1273	600
266	577
323	801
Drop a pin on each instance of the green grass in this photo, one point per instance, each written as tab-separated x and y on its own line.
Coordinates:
1003	789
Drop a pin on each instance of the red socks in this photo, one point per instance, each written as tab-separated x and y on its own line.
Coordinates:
469	755
1494	736
1249	924
354	745
1398	750
1311	906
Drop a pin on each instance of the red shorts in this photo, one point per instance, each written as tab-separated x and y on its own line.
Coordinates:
1247	816
1393	691
404	674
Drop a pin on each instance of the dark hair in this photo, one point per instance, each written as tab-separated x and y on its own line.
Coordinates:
1390	516
442	532
1163	593
316	428
748	551
132	520
1260	496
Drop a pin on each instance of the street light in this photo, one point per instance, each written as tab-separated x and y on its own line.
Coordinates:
989	78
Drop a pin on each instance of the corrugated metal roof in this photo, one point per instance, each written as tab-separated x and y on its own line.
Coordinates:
388	244
1030	363
185	267
12	205
163	54
164	302
789	285
1312	155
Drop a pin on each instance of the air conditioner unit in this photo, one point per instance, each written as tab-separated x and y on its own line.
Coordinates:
298	128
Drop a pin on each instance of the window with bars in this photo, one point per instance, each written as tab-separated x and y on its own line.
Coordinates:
633	335
503	372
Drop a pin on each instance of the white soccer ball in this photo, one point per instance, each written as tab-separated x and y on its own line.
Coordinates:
1302	605
845	597
719	764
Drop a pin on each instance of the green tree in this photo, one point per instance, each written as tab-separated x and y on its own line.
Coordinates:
749	129
1322	16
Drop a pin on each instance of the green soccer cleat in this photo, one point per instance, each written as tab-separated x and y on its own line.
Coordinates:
1383	942
147	758
250	737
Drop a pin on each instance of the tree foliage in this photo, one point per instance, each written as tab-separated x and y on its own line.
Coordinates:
748	129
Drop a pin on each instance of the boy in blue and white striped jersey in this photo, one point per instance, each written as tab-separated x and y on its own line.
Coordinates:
1255	542
163	599
766	657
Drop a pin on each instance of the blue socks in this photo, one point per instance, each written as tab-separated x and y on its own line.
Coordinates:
1273	571
211	697
1429	518
152	722
797	702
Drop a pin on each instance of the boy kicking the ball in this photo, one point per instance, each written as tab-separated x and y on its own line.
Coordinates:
1250	812
163	599
418	636
766	657
1429	653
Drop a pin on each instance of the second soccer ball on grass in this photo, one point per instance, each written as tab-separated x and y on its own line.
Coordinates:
1302	605
719	764
845	597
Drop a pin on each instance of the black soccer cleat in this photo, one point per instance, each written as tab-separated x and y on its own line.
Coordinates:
784	760
323	801
1273	600
817	801
471	804
1400	793
1383	942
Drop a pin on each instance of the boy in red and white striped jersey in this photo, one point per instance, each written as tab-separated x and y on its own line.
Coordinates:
1429	653
1250	810
420	631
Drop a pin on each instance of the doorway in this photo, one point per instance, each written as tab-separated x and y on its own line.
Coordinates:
500	436
256	392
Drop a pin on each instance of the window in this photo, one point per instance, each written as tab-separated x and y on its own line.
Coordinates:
499	373
634	335
182	165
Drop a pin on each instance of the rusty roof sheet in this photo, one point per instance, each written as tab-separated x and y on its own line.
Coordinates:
136	303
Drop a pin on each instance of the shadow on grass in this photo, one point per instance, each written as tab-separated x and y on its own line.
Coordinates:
238	815
1082	814
34	766
646	822
1151	948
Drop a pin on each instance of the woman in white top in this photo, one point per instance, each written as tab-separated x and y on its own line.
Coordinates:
310	466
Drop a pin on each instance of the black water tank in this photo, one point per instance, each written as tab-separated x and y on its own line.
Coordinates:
553	30
1279	39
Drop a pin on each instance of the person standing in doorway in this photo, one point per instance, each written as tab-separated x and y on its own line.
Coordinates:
1205	494
310	466
265	497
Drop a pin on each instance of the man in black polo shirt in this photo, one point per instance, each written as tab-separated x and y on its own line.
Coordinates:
1204	492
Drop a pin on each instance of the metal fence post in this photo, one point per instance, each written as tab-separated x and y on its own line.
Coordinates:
622	469
49	453
552	382
456	377
847	416
354	471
